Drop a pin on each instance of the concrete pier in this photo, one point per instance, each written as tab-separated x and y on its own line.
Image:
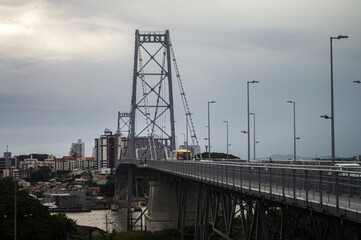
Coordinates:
121	188
162	206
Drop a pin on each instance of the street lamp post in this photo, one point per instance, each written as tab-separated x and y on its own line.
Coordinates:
227	136
332	117
15	212
332	108
249	150
254	135
209	131
245	132
15	175
255	143
294	129
187	134
187	116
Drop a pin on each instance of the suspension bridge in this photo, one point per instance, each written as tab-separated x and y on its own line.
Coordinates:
204	198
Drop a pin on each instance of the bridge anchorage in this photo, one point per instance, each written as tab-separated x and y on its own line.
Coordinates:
219	200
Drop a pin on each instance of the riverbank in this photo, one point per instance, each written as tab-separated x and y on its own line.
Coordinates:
105	220
65	210
83	234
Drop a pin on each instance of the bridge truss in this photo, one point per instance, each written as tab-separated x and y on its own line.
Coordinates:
153	137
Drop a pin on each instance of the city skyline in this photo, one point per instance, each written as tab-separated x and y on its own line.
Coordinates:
66	70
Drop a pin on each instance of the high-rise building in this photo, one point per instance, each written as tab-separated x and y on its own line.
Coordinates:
77	149
105	150
7	162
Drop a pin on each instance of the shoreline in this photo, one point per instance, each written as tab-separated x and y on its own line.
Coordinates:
71	210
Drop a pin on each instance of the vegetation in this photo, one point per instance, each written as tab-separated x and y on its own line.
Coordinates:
91	183
42	174
108	189
62	172
61	175
40	157
33	219
217	155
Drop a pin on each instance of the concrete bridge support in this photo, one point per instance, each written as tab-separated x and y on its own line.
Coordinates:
121	198
162	206
171	205
121	187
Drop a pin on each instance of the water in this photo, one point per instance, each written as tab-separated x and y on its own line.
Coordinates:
97	218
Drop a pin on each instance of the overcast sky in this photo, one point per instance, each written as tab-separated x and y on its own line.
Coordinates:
66	70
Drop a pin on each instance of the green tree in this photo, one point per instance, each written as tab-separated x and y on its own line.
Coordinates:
217	155
42	174
62	172
108	188
33	219
91	183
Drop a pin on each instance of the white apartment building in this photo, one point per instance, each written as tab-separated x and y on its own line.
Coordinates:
69	163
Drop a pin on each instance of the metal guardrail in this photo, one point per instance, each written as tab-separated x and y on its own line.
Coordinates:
317	187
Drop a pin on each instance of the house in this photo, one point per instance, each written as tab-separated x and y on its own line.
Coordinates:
100	179
73	199
93	191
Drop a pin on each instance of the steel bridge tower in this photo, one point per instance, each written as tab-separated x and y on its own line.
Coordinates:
152	97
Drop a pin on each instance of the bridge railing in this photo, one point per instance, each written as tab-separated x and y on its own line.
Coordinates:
320	188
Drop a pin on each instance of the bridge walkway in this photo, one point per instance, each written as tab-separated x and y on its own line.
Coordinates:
310	187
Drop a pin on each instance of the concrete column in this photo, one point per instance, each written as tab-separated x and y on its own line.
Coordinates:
162	206
121	190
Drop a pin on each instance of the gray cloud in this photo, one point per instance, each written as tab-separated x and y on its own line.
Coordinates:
66	69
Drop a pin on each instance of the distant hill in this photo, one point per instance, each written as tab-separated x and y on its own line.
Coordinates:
284	156
290	156
40	157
